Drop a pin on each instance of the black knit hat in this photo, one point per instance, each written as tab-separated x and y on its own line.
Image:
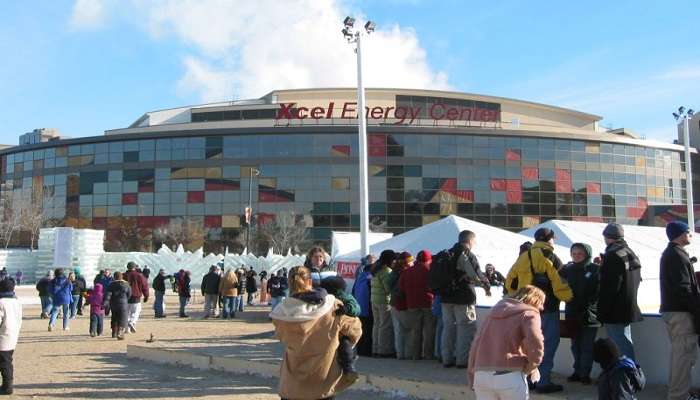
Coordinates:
614	231
387	257
7	285
334	284
544	234
605	352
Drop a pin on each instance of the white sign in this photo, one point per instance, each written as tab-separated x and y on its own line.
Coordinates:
63	248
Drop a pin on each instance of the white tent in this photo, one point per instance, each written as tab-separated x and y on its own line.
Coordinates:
346	242
647	242
493	245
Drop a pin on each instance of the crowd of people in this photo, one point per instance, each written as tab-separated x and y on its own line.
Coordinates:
423	308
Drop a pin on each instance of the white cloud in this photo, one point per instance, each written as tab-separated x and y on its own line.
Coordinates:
245	49
88	14
684	72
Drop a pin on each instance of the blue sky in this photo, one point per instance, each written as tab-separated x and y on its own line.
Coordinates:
93	65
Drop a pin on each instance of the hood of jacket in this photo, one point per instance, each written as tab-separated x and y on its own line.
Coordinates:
632	371
299	309
98	290
588	249
507	308
542	245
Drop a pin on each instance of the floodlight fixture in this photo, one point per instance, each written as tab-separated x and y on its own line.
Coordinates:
681	109
690	112
676	116
349	22
370	26
346	32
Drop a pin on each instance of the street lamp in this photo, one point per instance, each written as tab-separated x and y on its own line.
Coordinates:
353	35
685	116
249	209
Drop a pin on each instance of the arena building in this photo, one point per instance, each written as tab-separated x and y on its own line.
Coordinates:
505	162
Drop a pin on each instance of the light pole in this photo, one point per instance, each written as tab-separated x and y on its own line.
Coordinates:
249	209
686	116
355	36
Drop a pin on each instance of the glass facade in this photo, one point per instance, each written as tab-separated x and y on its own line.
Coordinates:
414	179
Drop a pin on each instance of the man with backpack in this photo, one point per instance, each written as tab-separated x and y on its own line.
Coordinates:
453	274
539	266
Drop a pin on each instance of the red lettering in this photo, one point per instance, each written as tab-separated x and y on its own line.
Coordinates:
400	114
452	113
317	112
329	114
386	112
433	110
300	115
285	111
376	112
348	110
467	111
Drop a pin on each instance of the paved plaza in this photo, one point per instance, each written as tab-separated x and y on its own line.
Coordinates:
71	365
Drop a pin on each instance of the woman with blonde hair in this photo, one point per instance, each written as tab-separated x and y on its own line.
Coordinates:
508	347
309	325
228	290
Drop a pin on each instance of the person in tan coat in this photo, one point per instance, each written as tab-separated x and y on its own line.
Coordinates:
228	290
309	326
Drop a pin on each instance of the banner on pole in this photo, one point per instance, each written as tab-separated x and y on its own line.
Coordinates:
347	269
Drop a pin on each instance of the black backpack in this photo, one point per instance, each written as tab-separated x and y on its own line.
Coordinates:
441	273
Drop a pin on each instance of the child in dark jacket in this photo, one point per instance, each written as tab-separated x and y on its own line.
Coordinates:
336	286
97	312
621	378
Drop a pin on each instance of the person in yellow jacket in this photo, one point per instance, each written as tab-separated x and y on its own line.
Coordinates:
539	266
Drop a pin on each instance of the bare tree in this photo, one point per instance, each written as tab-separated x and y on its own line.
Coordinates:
35	213
11	221
187	231
286	231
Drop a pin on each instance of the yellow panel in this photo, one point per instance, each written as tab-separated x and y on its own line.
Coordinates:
230	221
340	183
269	182
213	173
195	172
592	148
99	211
529	221
430	218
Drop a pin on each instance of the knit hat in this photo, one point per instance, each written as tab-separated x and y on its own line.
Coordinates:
544	234
614	231
605	352
425	257
525	247
675	229
406	256
7	285
387	257
334	284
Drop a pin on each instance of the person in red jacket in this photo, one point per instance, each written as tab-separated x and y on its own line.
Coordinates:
419	320
139	289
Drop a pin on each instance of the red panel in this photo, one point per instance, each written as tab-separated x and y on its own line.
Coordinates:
514	185
152	222
341	149
146	187
449	185
264	218
212	221
195	197
592	187
531	173
513	155
563	181
99	223
514	197
376	145
498	185
130	198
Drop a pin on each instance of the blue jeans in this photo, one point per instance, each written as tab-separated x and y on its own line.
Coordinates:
45	304
158	304
550	331
582	350
241	302
54	314
74	305
438	337
96	324
183	303
229	309
621	334
274	301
